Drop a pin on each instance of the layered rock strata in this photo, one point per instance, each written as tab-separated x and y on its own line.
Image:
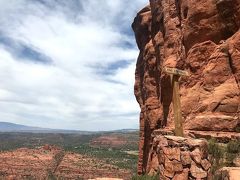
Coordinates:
179	158
202	37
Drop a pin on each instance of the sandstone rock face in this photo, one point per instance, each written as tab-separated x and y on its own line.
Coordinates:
202	37
179	158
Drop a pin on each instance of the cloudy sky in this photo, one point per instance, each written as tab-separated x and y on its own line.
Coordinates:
68	64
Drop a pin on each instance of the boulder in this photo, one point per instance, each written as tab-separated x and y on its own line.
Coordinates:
186	158
182	175
197	171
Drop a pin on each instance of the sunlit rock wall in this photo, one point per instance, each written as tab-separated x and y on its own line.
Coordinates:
202	37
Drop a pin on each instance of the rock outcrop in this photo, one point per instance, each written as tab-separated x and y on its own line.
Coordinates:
202	37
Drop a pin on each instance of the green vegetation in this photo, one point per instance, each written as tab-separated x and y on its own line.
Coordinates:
217	152
51	175
11	141
145	177
114	156
222	154
233	149
238	129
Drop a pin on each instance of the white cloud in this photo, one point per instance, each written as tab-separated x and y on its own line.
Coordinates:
69	93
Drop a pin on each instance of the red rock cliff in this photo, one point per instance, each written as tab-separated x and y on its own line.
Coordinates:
203	37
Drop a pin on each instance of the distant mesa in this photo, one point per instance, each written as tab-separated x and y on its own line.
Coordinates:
11	127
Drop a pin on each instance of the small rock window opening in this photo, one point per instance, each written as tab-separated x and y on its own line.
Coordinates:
185	12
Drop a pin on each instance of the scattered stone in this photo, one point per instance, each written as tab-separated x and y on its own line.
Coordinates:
172	153
176	138
168	173
169	169
185	158
196	155
177	166
182	175
197	171
162	141
205	164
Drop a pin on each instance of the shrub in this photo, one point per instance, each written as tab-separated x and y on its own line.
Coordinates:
237	129
233	147
51	176
217	154
215	149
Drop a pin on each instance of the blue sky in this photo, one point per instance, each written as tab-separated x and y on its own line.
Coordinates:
68	64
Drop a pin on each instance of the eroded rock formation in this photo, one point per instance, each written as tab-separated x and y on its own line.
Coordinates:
202	37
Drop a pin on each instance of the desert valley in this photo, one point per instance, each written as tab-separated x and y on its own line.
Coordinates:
187	86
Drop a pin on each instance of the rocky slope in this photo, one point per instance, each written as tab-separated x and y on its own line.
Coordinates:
202	37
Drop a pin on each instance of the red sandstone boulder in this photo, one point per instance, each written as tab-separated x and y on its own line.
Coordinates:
186	158
182	175
197	171
172	153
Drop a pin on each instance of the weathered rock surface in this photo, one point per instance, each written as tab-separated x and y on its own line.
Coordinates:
203	38
179	158
228	173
